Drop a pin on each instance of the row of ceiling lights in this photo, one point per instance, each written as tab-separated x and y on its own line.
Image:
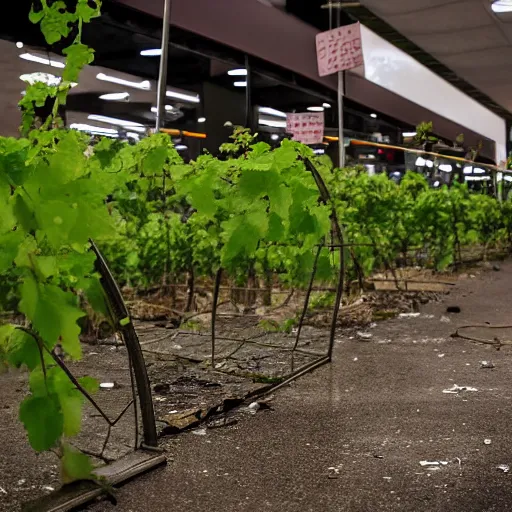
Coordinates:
50	79
146	85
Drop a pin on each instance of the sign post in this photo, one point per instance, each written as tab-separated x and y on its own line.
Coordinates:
338	50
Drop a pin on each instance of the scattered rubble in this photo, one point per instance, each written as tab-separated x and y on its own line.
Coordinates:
108	385
455	389
487	364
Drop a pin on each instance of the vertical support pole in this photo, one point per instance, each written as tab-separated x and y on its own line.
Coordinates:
248	95
341	142
341	93
162	74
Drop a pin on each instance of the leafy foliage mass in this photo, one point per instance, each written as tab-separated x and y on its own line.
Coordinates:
255	213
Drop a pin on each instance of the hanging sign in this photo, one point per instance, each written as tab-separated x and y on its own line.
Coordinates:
307	127
339	49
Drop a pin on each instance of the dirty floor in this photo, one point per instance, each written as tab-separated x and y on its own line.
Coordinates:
351	436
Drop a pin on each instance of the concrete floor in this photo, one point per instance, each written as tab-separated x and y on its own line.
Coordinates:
374	414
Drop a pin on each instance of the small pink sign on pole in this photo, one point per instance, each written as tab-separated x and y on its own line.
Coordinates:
306	127
339	49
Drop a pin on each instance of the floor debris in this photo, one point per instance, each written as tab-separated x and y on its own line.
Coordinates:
433	463
334	471
455	389
504	467
445	320
107	385
453	309
487	364
487	441
408	315
364	335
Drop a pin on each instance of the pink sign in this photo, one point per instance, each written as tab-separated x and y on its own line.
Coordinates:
339	49
307	127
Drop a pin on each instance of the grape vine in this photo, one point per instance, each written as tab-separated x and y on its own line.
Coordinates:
254	213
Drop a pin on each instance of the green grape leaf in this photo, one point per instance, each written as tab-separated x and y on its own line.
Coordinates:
78	55
26	252
35	16
67	161
23	349
95	295
53	315
42	418
10	245
86	12
254	184
24	214
90	384
46	266
71	406
242	239
275	228
324	270
75	465
201	197
153	163
55	22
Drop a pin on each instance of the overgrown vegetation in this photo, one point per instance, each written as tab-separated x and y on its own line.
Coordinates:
256	215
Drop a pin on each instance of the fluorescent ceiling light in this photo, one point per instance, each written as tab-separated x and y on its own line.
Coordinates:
316	109
19	44
479	170
168	108
374	116
193	98
445	168
502	6
46	78
409	134
145	84
136	127
115	96
133	135
153	52
273	124
95	130
202	120
429	163
319	151
274	136
477	178
326	105
240	84
468	170
237	72
180	147
271	112
42	60
420	162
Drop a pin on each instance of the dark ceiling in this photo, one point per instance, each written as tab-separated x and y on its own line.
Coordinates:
310	11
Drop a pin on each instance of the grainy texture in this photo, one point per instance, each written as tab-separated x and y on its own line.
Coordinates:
389	403
381	397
